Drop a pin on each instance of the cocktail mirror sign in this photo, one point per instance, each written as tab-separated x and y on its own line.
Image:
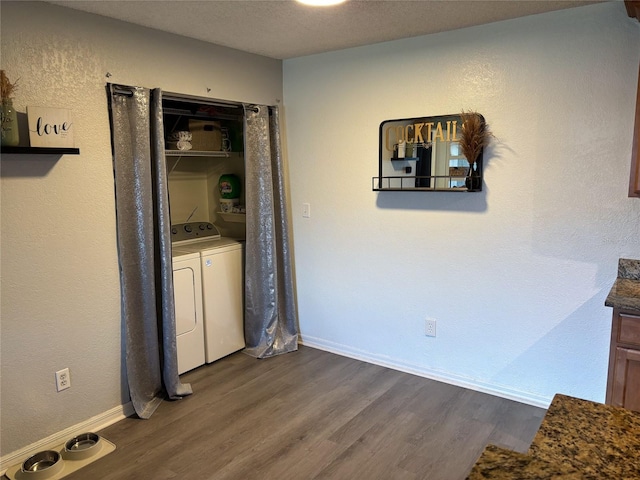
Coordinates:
50	127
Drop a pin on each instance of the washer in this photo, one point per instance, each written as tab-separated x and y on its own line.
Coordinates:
187	294
222	274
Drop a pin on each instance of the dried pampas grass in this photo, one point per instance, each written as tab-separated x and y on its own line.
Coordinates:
475	135
6	87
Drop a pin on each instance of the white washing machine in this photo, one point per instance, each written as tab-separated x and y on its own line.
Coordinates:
222	273
187	291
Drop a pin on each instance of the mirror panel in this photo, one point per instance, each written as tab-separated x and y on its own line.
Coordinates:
422	154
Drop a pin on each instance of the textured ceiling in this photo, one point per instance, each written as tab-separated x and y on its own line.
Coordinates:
285	29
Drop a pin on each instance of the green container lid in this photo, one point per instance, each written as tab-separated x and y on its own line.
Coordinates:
229	185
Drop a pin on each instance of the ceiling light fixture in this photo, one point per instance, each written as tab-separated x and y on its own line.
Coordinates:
321	3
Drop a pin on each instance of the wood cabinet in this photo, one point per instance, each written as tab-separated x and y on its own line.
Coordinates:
633	9
634	180
623	383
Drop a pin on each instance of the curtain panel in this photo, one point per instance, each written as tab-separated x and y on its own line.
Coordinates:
271	322
144	247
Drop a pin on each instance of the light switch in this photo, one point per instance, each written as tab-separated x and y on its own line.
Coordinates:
306	210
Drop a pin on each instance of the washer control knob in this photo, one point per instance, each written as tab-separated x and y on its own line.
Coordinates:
174	230
201	226
187	228
209	226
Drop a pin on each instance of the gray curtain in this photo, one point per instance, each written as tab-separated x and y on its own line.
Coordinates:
144	247
270	312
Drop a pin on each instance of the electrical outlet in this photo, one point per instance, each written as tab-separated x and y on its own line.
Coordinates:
430	327
63	379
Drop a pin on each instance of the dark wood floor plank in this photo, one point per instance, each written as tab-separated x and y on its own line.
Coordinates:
465	438
312	415
323	407
514	427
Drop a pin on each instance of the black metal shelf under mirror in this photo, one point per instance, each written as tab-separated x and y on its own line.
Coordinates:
423	154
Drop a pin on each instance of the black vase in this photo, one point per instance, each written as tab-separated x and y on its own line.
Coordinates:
473	182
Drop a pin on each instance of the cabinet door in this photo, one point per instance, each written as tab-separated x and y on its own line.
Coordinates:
626	379
634	180
633	9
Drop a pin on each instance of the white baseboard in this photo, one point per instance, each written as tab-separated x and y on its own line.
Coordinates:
445	377
94	424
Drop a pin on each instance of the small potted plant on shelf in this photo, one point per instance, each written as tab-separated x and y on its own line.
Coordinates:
474	136
9	118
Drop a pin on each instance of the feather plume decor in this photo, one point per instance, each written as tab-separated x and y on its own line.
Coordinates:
6	87
475	135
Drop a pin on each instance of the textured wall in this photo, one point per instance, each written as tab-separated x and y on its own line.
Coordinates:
516	276
60	283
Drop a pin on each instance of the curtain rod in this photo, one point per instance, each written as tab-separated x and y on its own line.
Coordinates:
253	108
120	90
123	90
179	97
256	108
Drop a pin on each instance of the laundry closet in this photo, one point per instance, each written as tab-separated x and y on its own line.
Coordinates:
204	152
216	149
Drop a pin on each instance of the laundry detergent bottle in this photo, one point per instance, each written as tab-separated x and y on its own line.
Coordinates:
229	185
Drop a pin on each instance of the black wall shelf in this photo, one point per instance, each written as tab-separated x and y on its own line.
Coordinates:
407	184
41	150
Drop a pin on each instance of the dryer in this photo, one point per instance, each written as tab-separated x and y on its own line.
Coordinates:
187	292
222	276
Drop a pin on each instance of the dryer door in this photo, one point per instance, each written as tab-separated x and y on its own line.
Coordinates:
185	299
187	288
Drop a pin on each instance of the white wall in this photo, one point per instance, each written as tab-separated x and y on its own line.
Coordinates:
517	275
60	283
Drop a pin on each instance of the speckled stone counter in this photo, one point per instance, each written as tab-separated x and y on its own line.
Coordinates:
577	439
625	293
600	441
497	463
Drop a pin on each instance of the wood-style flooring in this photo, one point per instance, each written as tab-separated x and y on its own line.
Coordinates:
313	415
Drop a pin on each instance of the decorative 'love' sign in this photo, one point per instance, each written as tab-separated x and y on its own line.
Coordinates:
50	127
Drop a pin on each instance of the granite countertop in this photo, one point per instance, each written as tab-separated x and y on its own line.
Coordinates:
577	439
497	463
625	292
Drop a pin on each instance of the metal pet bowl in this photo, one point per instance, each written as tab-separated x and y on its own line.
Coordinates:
83	446
44	464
